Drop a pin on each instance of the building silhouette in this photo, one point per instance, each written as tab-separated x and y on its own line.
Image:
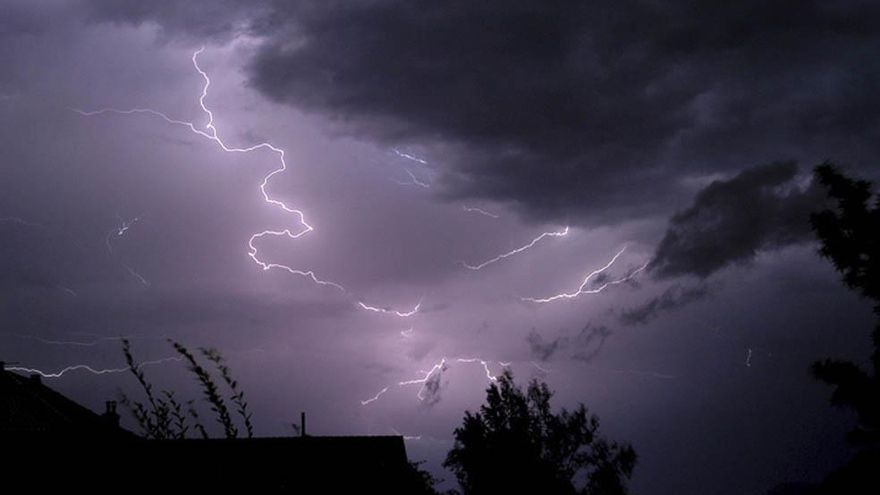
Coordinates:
50	442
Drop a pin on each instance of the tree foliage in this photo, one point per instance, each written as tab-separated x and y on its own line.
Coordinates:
516	444
849	233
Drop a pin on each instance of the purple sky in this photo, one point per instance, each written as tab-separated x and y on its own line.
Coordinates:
674	141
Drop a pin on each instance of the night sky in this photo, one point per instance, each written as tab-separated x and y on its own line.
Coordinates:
457	165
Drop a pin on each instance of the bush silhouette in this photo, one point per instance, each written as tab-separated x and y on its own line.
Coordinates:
516	444
163	417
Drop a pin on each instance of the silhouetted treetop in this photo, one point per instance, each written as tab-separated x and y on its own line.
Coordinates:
516	444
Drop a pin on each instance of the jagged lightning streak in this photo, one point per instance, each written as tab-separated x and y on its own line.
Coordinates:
209	131
560	233
407	333
401	314
408	156
539	367
583	290
413	180
120	231
473	209
79	343
375	397
749	358
85	367
485	364
439	367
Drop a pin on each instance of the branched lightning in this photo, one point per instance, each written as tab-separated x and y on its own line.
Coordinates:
473	209
120	231
583	287
485	364
209	131
439	367
560	233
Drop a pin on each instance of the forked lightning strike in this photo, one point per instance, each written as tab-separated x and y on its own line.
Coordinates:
440	367
583	287
120	231
560	233
209	131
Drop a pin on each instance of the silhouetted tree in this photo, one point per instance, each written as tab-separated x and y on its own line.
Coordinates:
849	233
850	237
516	444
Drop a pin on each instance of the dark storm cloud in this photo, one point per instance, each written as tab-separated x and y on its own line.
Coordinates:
673	297
572	109
542	349
569	110
731	221
590	341
204	20
584	346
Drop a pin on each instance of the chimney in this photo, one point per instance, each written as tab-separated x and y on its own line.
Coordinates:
302	424
110	416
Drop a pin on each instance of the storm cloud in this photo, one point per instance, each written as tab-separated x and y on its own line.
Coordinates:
567	110
731	221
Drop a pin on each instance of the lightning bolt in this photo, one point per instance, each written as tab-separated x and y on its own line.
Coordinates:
209	132
583	290
749	358
120	231
473	209
375	397
413	180
85	367
407	333
485	366
539	367
439	367
391	311
407	156
561	233
77	343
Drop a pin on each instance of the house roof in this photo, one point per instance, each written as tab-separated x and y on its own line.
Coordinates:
30	408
